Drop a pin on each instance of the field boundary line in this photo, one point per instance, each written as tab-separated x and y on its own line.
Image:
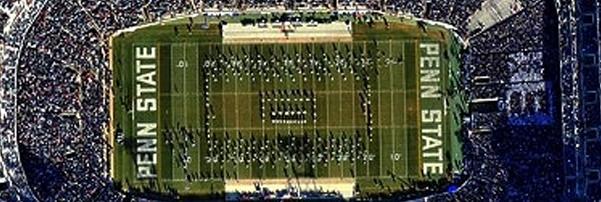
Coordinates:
108	134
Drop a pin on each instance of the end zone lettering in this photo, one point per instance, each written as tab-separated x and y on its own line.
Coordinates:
145	102
431	115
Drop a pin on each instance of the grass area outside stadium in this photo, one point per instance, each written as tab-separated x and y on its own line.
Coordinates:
396	146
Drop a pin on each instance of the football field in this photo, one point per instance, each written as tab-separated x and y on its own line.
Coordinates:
191	113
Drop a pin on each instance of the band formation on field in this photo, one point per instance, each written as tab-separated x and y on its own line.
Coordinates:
227	105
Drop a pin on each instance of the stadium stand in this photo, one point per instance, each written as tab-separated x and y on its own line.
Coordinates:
579	30
508	59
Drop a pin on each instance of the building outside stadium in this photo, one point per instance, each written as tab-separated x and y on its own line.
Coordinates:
202	109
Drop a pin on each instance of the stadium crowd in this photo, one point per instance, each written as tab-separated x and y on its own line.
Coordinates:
510	160
266	194
62	94
578	42
58	54
10	151
61	77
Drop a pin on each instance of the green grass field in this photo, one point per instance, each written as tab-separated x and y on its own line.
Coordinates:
227	134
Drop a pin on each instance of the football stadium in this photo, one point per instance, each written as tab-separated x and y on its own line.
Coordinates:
284	101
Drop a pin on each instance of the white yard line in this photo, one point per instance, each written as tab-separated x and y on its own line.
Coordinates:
331	92
223	112
315	110
326	81
200	105
262	120
353	110
185	59
380	122
237	120
392	109
406	157
250	114
133	83
263	170
367	135
340	115
185	122
160	139
288	87
210	83
319	127
301	81
172	112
